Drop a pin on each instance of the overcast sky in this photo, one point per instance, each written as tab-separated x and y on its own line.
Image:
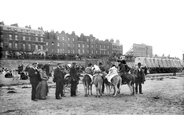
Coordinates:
158	23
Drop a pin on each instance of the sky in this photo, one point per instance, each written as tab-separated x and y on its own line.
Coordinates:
157	23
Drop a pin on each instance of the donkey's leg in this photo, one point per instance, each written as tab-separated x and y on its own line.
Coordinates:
130	87
91	89
115	90
85	90
96	91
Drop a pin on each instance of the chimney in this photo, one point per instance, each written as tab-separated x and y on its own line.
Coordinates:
73	32
2	23
16	25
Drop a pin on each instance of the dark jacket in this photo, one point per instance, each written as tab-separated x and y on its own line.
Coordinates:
34	75
140	75
73	74
58	75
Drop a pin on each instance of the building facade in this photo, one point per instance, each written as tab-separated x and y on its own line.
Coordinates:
64	43
26	39
18	39
140	50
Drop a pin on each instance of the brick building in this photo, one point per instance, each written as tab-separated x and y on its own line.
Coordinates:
64	43
19	39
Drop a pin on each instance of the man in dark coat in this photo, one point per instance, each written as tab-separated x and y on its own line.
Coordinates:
59	79
102	68
34	80
74	79
140	79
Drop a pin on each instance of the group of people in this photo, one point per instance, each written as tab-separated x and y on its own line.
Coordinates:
38	78
122	69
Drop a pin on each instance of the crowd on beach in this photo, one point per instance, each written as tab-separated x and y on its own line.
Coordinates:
38	76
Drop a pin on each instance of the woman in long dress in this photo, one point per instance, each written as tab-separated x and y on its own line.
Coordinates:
42	88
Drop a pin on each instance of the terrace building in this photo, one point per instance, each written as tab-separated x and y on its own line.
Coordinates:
21	39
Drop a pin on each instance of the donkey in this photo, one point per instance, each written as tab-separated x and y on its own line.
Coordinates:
98	81
115	83
87	85
128	79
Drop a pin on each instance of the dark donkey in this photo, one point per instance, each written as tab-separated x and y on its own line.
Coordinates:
127	78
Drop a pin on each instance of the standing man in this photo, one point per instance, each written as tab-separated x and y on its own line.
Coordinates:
140	79
74	79
34	80
59	79
102	68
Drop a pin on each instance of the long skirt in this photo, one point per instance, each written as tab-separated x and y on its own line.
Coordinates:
42	90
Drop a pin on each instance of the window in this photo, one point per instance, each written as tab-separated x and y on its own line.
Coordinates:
63	50
16	37
29	46
41	39
79	51
47	49
10	45
2	44
68	39
68	45
87	51
107	47
68	51
52	43
24	46
92	51
58	51
16	45
57	44
29	38
57	37
73	39
1	36
83	51
10	37
24	38
36	38
91	46
63	38
87	46
63	44
41	47
73	51
36	46
47	43
96	52
87	40
52	50
79	45
83	45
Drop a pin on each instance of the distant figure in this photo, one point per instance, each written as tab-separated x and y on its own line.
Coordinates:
140	79
34	80
145	70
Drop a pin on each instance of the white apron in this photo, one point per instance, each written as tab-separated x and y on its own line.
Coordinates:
112	72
